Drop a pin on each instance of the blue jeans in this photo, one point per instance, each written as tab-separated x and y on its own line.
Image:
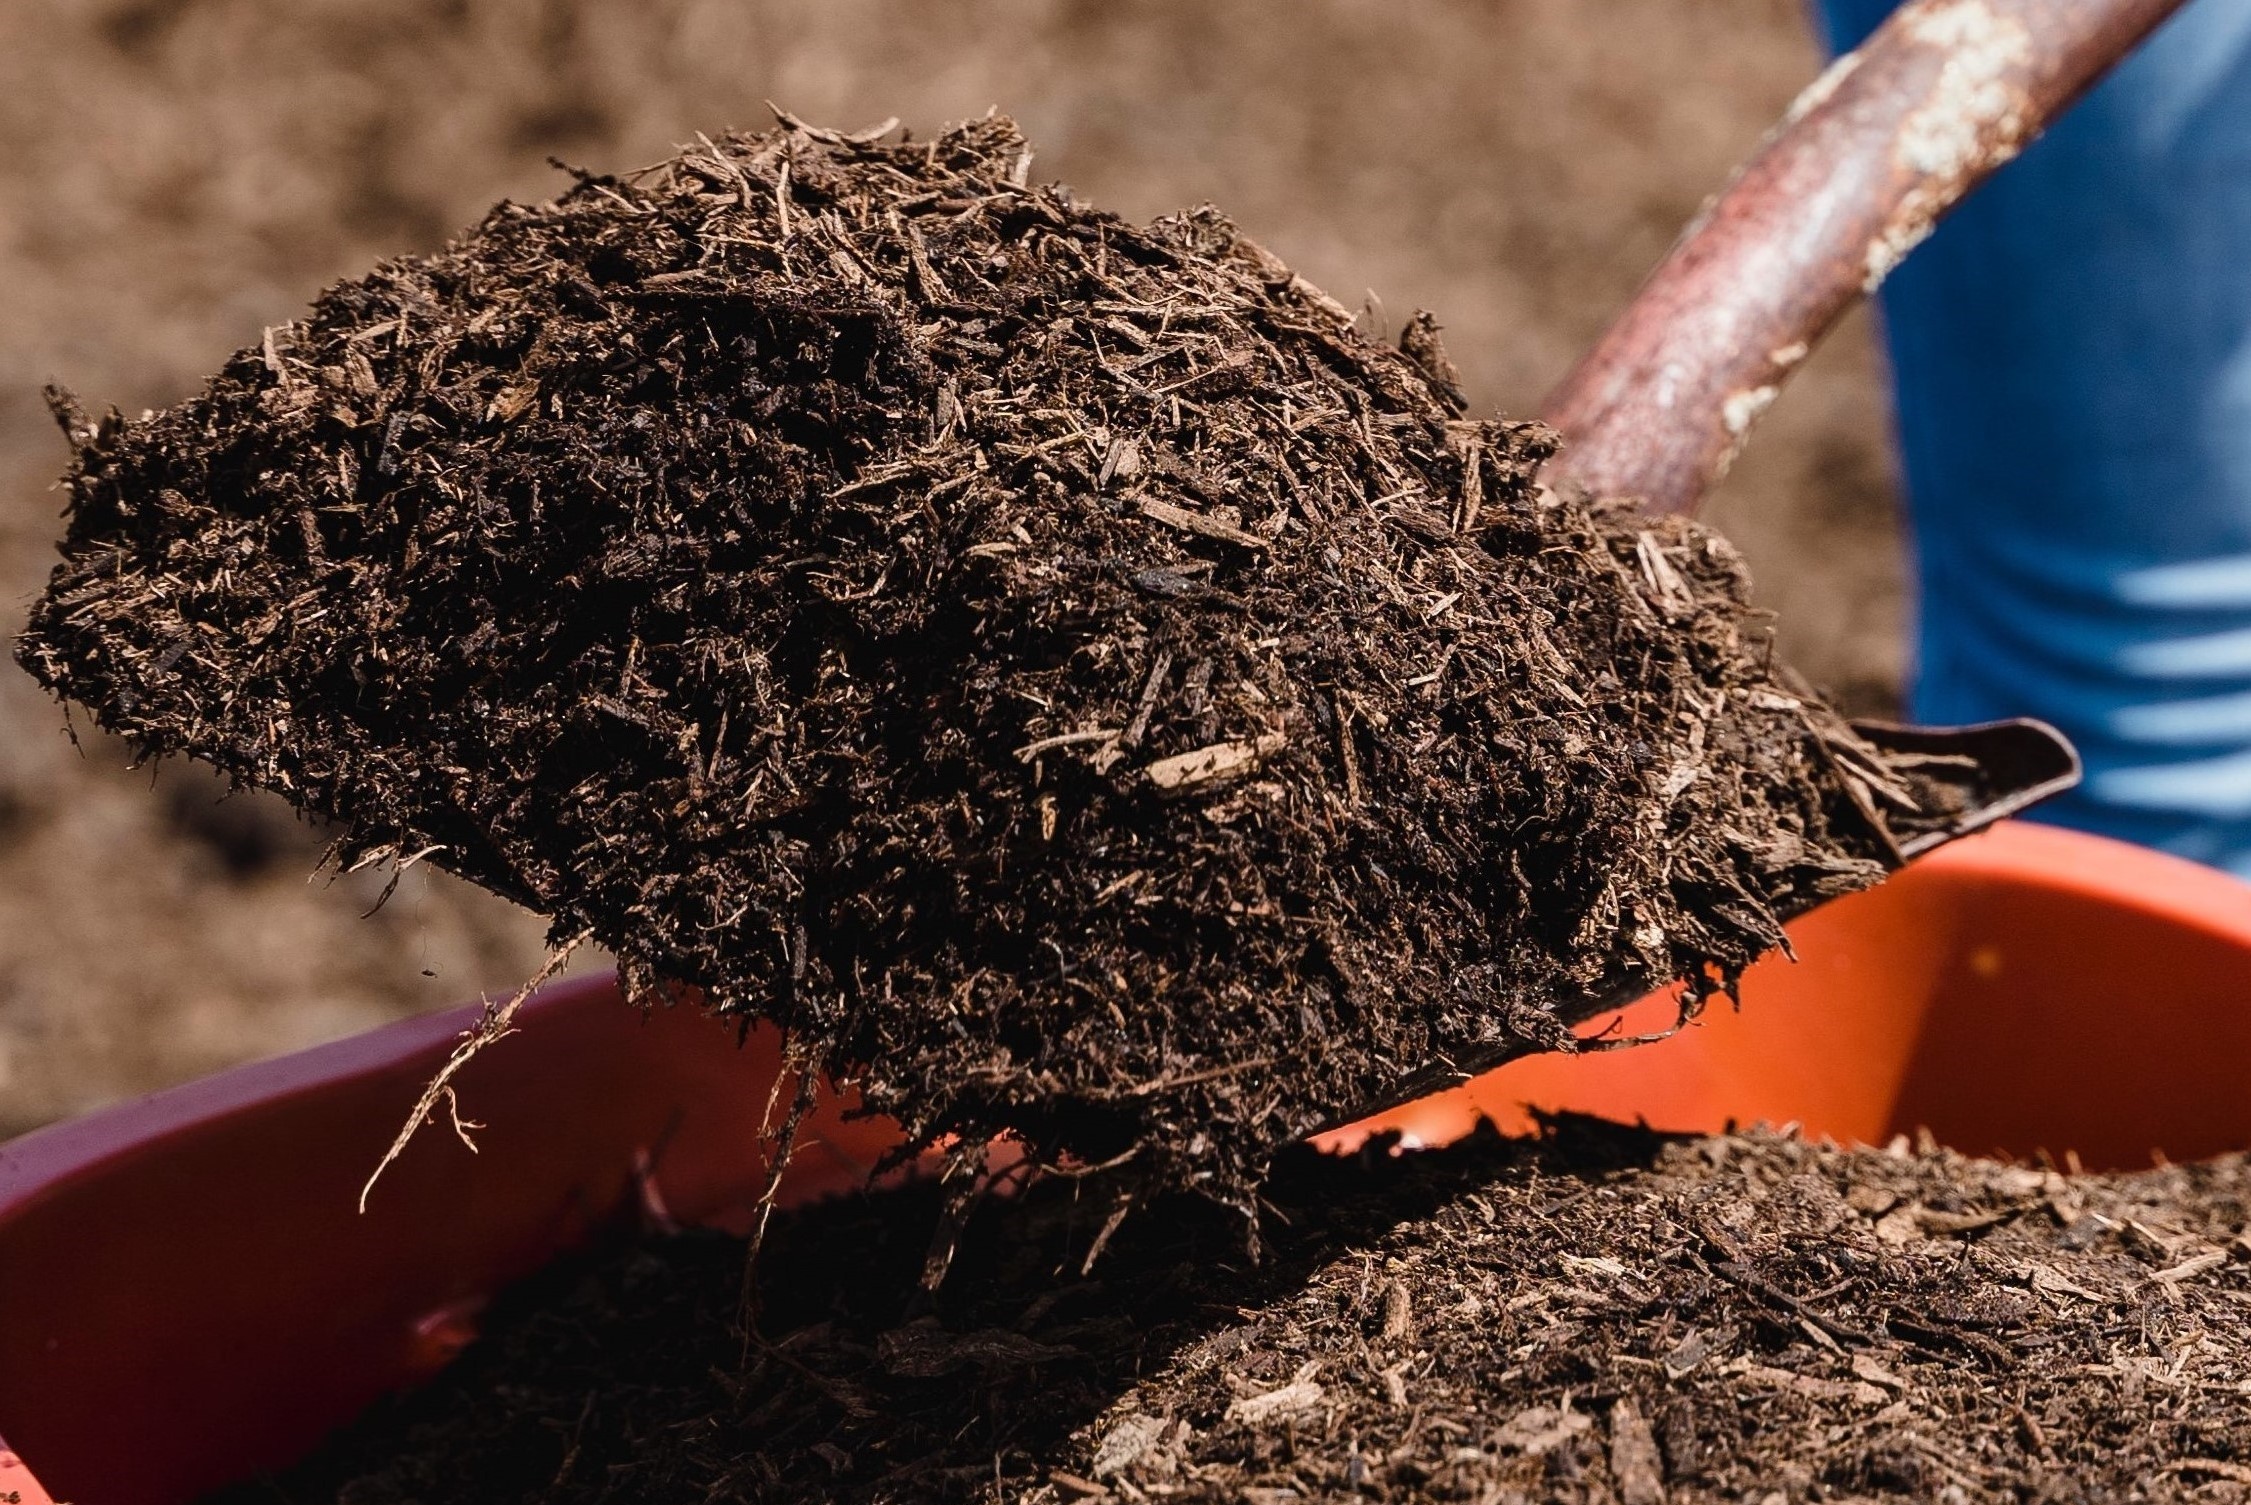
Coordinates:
2072	358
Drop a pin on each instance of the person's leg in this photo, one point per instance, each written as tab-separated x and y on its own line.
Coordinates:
2072	356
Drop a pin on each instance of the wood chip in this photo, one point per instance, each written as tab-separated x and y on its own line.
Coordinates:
1221	760
1127	1441
1858	1392
1256	1410
1074	1485
1198	523
1637	1468
2189	1269
1537	1431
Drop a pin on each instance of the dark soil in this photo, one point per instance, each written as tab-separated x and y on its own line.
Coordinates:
1056	668
1604	1317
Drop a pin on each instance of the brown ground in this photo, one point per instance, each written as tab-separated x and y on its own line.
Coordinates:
179	173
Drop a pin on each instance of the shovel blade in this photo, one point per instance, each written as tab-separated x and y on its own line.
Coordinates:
2017	764
1995	769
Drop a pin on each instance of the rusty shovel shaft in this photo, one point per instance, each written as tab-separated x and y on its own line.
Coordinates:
1858	172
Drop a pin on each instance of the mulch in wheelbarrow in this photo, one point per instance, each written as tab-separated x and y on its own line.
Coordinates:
1606	1316
1063	671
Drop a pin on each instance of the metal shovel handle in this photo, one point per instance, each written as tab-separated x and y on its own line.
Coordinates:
1858	172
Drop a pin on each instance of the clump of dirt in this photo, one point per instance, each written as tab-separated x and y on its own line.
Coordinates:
1607	1316
1055	668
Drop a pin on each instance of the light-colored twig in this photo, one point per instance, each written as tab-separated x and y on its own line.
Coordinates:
497	1024
807	1070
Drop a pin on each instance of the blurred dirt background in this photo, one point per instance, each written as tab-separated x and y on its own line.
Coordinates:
177	174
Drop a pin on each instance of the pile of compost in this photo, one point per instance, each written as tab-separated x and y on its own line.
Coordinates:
1603	1317
1059	670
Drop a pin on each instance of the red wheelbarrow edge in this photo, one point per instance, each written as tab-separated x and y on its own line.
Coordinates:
42	1162
47	1162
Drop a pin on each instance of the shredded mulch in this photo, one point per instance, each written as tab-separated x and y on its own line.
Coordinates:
1060	670
1605	1316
